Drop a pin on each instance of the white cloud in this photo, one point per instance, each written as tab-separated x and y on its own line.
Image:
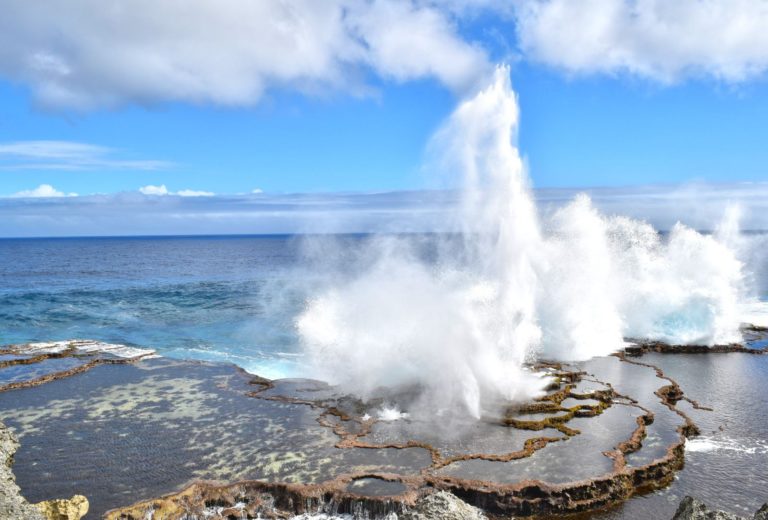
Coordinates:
42	191
154	190
405	41
231	52
257	191
162	190
95	53
67	155
194	193
663	40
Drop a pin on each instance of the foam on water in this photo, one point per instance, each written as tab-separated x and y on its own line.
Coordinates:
87	346
388	413
710	444
517	286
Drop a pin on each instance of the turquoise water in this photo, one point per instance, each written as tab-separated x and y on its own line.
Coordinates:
216	298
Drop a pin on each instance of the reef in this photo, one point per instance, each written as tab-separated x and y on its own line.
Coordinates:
242	446
279	501
640	348
46	362
382	494
755	340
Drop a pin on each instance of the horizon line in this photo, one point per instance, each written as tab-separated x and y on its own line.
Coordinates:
288	235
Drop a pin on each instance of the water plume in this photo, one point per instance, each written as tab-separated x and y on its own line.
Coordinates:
459	329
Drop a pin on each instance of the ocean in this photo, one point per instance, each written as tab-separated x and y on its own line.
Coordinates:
216	298
241	300
211	298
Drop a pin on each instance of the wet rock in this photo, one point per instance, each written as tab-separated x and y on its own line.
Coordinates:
64	509
443	505
692	509
12	504
351	432
762	513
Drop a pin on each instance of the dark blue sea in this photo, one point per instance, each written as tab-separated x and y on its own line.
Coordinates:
214	298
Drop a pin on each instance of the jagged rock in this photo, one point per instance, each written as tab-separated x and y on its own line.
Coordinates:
64	509
693	509
12	504
443	505
762	513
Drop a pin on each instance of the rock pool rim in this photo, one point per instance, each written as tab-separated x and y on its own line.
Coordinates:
523	498
529	498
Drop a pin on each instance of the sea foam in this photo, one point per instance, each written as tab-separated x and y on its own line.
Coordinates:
87	346
459	330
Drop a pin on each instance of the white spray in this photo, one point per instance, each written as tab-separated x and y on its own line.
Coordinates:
460	329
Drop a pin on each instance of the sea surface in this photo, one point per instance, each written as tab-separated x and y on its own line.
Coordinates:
217	298
236	299
228	299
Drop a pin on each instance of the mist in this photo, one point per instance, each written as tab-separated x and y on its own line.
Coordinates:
460	322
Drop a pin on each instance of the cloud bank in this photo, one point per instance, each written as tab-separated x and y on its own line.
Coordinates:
699	206
105	215
92	54
162	191
661	40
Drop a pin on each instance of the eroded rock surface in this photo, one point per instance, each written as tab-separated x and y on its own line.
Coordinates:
693	509
264	501
606	429
444	506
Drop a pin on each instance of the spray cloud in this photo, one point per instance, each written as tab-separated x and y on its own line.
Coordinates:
512	287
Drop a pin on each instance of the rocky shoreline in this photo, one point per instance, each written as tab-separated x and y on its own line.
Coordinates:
164	391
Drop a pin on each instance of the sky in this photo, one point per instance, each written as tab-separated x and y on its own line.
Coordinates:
243	116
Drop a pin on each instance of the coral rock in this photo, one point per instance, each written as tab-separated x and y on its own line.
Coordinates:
64	509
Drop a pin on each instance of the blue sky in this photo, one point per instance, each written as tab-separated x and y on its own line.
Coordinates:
574	132
612	100
290	143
